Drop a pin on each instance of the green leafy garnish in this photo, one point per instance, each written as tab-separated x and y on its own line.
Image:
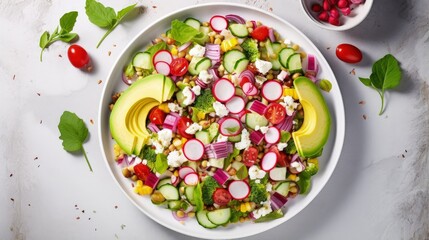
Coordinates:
258	193
386	74
270	216
325	85
228	159
242	172
284	136
61	33
155	48
290	148
232	129
304	184
182	32
73	133
209	185
161	164
105	17
198	198
205	101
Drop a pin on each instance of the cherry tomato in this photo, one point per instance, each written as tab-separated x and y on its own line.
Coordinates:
283	160
157	116
179	66
222	197
275	113
141	171
251	67
249	156
78	56
260	33
348	53
182	125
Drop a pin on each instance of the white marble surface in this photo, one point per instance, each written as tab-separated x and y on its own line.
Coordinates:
379	190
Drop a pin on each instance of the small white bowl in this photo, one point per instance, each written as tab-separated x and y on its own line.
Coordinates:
357	15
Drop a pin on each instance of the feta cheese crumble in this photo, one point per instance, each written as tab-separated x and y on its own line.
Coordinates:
176	158
262	129
289	104
197	51
263	66
196	90
297	166
205	76
260	79
281	146
282	75
193	128
227	34
220	109
262	211
158	147
221	138
256	173
175	108
188	94
245	140
165	136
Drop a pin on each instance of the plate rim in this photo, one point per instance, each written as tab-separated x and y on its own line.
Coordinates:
340	124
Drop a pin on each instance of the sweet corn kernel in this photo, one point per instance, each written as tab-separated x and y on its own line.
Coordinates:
243	207
177	142
164	107
184	140
290	92
292	177
176	173
191	214
174	51
201	115
145	190
180	214
139	183
228	44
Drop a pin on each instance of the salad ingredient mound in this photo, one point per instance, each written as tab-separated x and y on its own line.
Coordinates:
222	121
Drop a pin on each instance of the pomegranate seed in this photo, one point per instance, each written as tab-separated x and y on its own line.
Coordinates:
345	11
316	7
342	4
334	21
334	13
326	5
324	16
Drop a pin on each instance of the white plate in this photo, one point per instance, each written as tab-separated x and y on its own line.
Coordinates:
203	12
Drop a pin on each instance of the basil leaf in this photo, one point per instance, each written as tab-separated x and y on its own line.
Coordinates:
182	32
325	85
123	12
98	14
155	48
366	81
67	21
386	73
161	164
67	37
44	39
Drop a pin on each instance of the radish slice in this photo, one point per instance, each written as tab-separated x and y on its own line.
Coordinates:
201	83
249	89
272	135
162	68
183	171
174	180
193	149
184	46
229	126
242	115
223	90
278	174
272	90
236	104
239	189
162	56
191	179
269	161
218	23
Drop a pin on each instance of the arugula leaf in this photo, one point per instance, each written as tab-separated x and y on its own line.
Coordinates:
182	32
67	22
73	133
386	74
161	164
105	17
325	85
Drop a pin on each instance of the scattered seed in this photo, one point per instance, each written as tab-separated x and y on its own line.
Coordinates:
406	150
41	121
353	72
13	200
38	94
109	53
99	81
154	6
36	158
29	205
91	121
403	156
11	175
77	218
59	55
89	218
116	207
123	226
328	48
38	166
83	211
361	102
13	78
364	117
114	45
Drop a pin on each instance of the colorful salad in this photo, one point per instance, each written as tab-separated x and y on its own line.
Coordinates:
222	121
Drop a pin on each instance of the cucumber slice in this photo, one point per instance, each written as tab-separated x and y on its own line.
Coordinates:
193	23
174	204
236	138
277	47
189	193
230	58
169	192
284	55
203	136
192	65
180	98
203	219
241	65
203	64
163	182
219	216
254	119
213	131
283	188
142	60
294	63
239	30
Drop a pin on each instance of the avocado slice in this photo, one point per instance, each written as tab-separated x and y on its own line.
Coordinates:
128	116
314	131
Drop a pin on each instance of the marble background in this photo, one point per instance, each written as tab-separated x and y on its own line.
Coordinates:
379	189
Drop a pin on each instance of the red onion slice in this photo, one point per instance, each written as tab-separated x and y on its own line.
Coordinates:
235	18
271	35
184	46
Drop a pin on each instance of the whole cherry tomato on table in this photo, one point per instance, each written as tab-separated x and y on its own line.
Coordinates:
157	116
79	58
348	53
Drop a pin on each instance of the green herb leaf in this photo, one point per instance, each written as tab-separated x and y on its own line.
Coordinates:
67	21
100	15
198	198
67	37
270	216
123	12
232	129
73	133
386	74
325	85
161	164
242	173
182	32
284	136
155	48
44	40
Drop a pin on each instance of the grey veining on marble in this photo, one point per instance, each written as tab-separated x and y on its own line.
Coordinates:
379	190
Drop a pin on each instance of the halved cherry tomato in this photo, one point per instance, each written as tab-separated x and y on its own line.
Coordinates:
283	160
249	156
182	125
348	53
260	33
179	66
141	171
222	197
78	56
157	116
275	113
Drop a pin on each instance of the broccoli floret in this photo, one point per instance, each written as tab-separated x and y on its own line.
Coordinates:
208	187
205	101
250	48
236	215
258	193
149	154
